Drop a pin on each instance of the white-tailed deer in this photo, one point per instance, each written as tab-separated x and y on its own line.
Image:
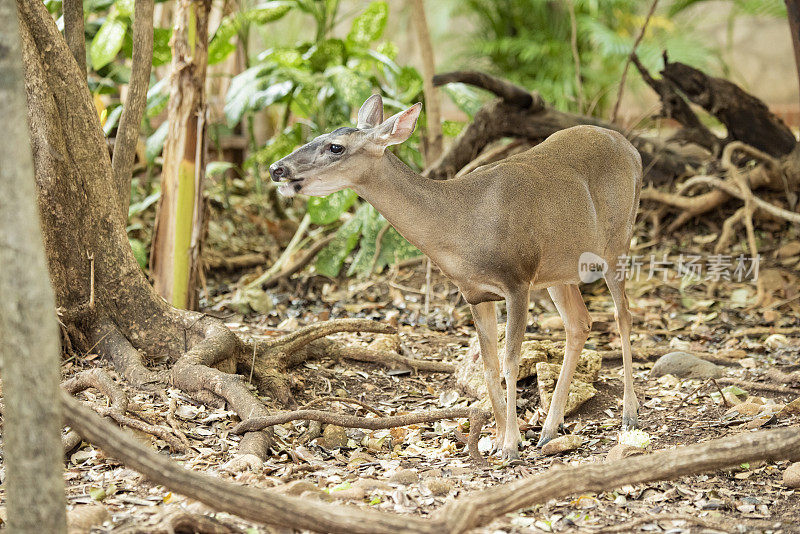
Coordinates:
526	221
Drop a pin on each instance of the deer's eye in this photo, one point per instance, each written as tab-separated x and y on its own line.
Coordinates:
336	149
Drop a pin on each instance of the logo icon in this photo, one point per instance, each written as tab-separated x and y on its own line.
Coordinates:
591	267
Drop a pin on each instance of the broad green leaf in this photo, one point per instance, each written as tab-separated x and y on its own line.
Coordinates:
138	207
371	226
330	259
394	249
350	86
107	42
243	88
157	98
267	12
328	209
369	25
222	44
328	52
155	143
218	168
270	95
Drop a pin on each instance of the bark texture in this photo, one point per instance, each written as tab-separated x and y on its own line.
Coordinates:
29	345
132	112
74	31
174	260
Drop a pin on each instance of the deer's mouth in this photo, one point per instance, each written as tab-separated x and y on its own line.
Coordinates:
291	186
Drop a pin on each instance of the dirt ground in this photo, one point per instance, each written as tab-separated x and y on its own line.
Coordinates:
415	470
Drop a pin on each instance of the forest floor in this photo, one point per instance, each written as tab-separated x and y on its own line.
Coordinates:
749	327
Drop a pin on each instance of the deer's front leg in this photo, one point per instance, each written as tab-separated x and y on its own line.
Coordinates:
486	324
577	323
517	311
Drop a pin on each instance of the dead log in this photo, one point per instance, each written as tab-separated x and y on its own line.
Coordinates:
674	106
746	117
514	116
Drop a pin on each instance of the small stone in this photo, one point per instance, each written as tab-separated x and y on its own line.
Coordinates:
439	486
334	437
620	451
685	365
405	477
791	477
776	341
748	363
562	444
387	342
747	409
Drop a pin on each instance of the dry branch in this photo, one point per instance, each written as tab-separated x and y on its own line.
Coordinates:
746	117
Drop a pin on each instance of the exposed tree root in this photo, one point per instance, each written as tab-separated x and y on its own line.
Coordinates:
477	419
100	380
460	515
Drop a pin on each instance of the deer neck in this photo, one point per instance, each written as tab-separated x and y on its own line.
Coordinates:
414	205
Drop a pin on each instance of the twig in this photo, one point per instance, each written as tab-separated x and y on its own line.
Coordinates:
378	246
345	400
691	394
630	58
510	93
477	418
281	261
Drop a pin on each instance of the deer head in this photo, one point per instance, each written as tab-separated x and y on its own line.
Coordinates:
346	157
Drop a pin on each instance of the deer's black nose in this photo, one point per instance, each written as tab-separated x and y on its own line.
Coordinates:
278	172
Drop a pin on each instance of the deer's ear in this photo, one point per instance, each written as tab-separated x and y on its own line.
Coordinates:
398	128
371	112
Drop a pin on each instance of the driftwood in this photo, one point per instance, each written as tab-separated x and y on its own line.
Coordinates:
460	515
522	114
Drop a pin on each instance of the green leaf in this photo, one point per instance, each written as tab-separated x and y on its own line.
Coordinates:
97	494
124	7
328	52
155	143
218	168
243	88
140	253
349	85
369	25
222	43
138	207
267	12
370	228
466	98
394	249
328	209
270	95
162	53
111	120
330	259
107	42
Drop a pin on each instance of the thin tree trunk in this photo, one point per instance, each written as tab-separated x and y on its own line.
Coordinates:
433	111
131	119
174	261
74	32
29	343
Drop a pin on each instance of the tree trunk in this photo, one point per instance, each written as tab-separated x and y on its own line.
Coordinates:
29	345
174	260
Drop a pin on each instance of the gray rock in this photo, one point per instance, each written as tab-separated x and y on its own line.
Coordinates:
685	365
791	477
334	437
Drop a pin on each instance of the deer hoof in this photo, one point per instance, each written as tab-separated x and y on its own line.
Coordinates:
510	455
629	422
543	441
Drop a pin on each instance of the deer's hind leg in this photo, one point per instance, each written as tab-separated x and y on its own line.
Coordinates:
630	405
485	319
577	324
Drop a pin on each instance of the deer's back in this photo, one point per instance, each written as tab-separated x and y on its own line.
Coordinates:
539	210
